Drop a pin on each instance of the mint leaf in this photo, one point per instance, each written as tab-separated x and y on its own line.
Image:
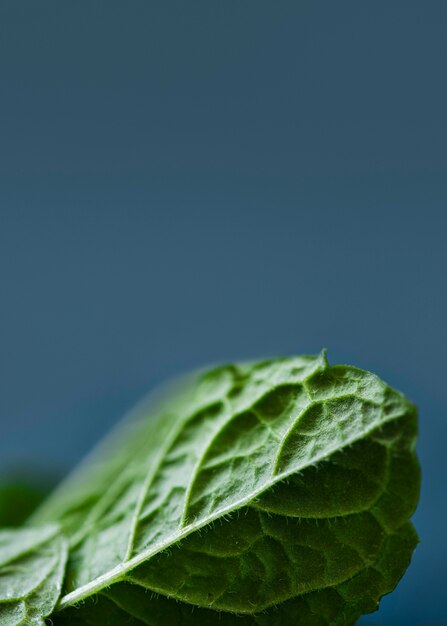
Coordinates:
32	563
260	494
19	497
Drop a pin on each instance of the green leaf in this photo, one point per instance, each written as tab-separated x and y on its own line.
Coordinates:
19	497
32	563
265	493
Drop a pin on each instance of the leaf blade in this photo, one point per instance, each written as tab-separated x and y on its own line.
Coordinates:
314	447
32	565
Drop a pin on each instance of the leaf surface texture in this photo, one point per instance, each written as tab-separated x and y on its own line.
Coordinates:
265	493
32	563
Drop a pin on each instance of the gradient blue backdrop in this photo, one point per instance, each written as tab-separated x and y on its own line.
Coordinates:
192	182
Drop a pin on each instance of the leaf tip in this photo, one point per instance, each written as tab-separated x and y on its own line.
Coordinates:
323	359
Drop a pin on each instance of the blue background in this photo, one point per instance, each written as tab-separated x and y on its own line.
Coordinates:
193	182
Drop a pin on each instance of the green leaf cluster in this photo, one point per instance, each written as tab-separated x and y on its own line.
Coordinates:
258	494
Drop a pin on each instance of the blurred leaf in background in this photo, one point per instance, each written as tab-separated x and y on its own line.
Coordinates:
20	494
